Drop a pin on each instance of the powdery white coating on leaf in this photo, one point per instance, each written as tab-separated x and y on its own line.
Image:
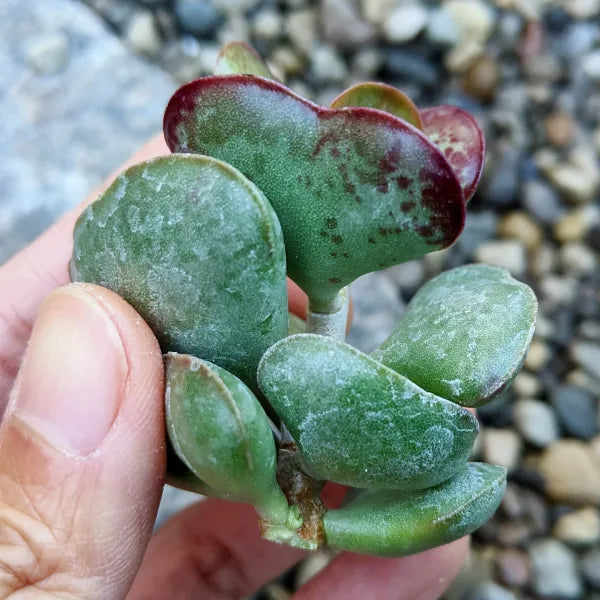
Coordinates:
197	250
464	335
389	523
359	423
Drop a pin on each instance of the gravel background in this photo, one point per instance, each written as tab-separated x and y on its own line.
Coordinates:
84	83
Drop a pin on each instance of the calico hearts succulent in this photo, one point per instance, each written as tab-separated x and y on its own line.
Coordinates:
262	407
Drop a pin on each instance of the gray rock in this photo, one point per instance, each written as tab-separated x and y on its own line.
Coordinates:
67	132
405	23
501	183
587	356
508	254
502	447
590	565
536	422
198	17
412	66
513	568
142	33
555	573
542	201
343	26
579	528
327	64
479	228
577	411
441	28
377	309
491	591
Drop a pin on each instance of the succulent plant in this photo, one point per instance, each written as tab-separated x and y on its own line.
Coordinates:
265	408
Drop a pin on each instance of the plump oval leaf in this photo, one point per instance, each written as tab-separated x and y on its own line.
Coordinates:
240	58
464	335
461	140
383	97
389	523
219	430
197	250
355	189
359	423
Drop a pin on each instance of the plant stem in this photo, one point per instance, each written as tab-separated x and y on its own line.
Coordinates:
330	324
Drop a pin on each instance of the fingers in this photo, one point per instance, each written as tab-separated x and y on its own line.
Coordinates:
82	454
212	551
28	277
421	576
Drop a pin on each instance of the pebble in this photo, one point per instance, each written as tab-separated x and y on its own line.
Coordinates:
590	566
343	26
579	528
474	19
536	422
587	356
554	568
537	355
557	291
442	29
377	11
508	254
582	9
300	27
559	128
577	259
577	412
491	591
142	33
47	53
366	62
405	23
267	24
502	447
572	472
327	64
501	185
197	16
408	275
542	201
574	225
286	59
526	385
591	65
482	78
519	225
513	568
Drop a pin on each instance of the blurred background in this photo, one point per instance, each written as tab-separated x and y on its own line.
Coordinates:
84	83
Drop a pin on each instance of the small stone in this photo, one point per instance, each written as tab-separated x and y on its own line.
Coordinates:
267	24
474	18
234	6
519	225
572	472
300	27
491	591
578	178
559	129
327	64
577	259
513	568
142	33
536	422
442	30
197	17
377	11
286	59
557	291
537	355
513	533
463	55
502	447
576	409
408	275
482	78
543	260
312	565
595	444
366	62
579	528
47	53
342	26
526	385
587	356
405	23
555	573
591	65
235	29
542	201
501	183
574	225
581	9
590	565
508	254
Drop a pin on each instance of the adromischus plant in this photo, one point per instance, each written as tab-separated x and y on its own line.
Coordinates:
264	183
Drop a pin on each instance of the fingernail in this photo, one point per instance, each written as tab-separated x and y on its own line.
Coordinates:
72	379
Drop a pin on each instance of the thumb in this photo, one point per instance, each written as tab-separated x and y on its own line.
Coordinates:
82	454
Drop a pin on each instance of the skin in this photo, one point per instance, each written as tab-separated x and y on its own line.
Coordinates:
76	526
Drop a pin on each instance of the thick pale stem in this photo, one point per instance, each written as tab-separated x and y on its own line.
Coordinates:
330	324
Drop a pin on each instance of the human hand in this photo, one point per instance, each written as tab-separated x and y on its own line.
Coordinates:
82	461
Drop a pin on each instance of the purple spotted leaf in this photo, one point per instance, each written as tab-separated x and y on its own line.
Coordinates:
461	140
355	189
383	97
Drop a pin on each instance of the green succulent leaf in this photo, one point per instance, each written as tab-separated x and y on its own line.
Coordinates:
355	189
219	430
197	250
238	58
296	325
464	335
461	140
359	423
388	523
383	97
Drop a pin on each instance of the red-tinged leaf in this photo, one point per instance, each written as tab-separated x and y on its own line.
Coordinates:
461	140
240	58
355	189
383	97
